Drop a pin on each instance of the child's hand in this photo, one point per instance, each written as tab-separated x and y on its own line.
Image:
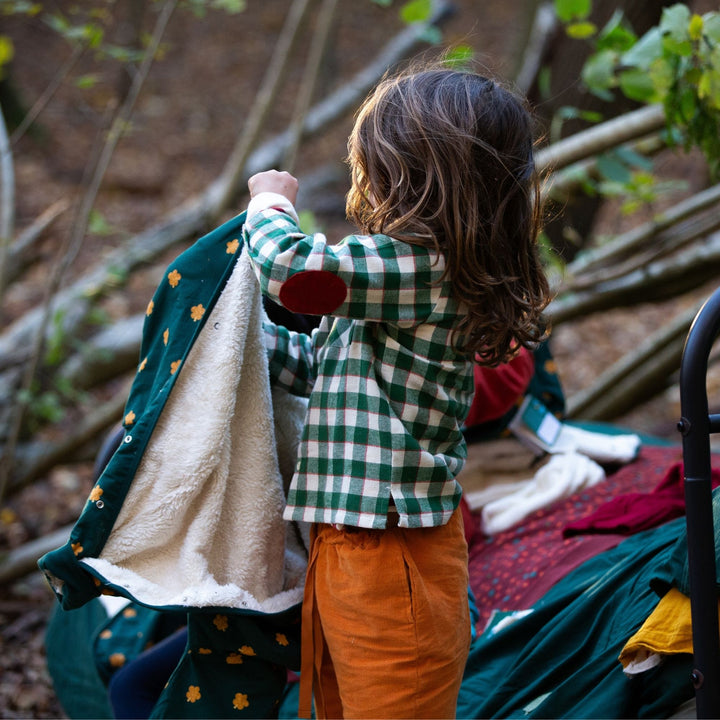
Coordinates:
282	183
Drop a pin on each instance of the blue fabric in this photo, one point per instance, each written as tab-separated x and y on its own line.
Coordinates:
136	687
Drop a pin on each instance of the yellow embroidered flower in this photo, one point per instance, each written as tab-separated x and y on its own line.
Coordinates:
150	308
106	634
234	659
95	494
193	694
204	651
174	366
550	367
247	650
174	278
221	622
166	335
196	312
142	365
240	702
281	639
232	246
97	582
130	418
117	660
129	612
77	548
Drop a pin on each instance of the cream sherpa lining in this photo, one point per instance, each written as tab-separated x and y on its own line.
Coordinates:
201	525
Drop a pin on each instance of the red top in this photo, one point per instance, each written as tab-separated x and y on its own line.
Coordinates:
498	389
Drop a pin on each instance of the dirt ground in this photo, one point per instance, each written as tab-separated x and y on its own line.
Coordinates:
186	121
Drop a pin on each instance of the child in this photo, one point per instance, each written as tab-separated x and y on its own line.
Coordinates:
445	271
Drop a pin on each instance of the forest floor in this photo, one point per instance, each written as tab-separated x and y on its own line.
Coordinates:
186	121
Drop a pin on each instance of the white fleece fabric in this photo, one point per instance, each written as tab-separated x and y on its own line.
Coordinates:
561	477
201	525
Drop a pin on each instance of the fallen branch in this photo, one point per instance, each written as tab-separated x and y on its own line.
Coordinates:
637	376
34	459
624	245
666	242
598	139
23	560
655	281
538	39
19	254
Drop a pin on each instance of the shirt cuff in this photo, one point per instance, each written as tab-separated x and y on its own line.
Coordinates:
267	200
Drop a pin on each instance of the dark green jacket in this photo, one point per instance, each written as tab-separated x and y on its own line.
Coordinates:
187	514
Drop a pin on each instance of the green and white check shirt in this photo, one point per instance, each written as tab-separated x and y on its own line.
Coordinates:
387	393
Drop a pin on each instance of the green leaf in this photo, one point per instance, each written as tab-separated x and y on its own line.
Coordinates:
645	51
581	30
711	26
638	85
570	10
708	88
662	75
673	46
695	27
613	169
232	7
616	35
98	225
599	70
459	56
308	222
87	81
675	21
416	11
634	159
7	50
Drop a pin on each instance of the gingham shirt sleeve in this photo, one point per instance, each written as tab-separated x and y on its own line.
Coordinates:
373	278
291	357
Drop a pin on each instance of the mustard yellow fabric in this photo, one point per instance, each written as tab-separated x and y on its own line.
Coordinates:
667	631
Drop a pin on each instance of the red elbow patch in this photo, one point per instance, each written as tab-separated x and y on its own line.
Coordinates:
313	292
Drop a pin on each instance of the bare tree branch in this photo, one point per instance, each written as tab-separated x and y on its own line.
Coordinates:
635	376
232	173
654	281
18	256
7	201
307	87
625	245
600	138
48	93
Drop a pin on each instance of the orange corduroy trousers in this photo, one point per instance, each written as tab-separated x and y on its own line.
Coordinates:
386	626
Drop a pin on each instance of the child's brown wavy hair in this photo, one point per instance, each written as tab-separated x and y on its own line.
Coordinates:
444	158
